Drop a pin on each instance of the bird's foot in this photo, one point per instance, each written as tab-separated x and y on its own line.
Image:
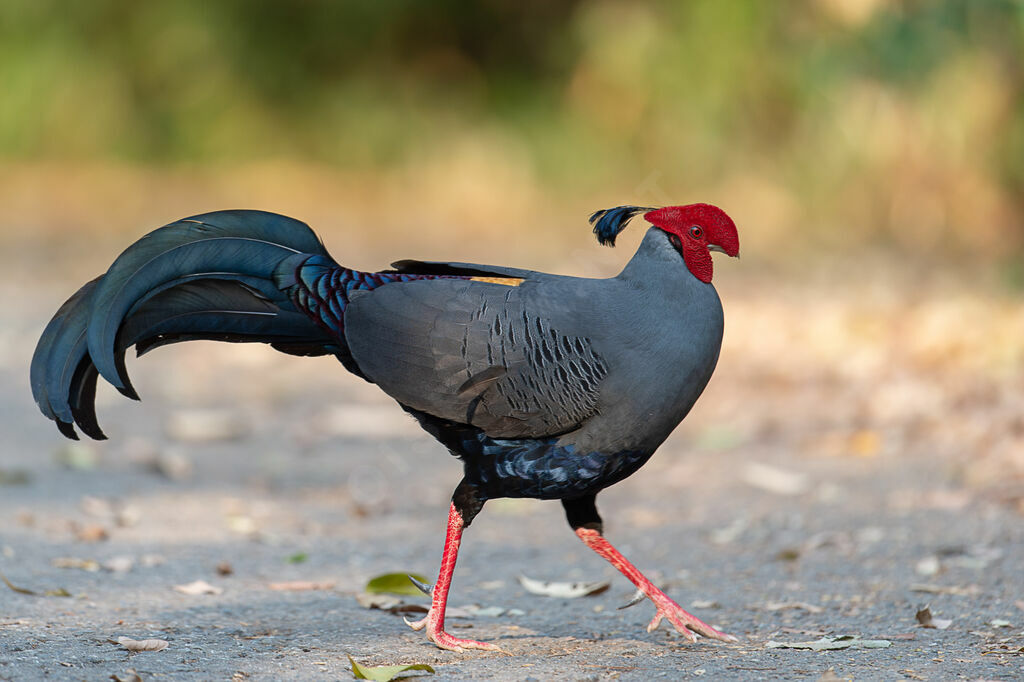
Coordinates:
687	625
437	635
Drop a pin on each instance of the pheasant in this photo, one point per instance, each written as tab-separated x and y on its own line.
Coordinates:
545	386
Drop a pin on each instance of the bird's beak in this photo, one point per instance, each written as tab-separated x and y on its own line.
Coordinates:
719	249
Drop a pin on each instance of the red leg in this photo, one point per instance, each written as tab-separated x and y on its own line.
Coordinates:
434	620
685	623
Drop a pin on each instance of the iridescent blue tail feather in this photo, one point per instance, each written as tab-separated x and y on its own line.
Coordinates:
206	277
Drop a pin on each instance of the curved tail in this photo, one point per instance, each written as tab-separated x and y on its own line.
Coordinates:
223	276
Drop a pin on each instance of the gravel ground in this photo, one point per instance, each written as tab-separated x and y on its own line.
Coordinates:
283	469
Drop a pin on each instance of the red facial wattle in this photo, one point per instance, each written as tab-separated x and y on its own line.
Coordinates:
697	228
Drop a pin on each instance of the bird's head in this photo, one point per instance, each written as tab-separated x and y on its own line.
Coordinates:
695	230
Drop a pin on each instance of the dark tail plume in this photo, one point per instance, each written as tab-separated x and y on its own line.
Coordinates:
211	276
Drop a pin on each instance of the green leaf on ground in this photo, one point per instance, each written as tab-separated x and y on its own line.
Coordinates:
298	558
384	673
395	583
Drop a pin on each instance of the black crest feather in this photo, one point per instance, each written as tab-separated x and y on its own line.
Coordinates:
609	222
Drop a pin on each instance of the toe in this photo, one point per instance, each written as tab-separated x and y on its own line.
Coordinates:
446	641
416	624
689	625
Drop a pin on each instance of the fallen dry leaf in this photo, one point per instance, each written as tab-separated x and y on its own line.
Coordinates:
150	560
91	532
830	643
242	524
392	604
948	500
129	676
730	533
968	591
96	506
977	558
119	564
420	608
77	455
928	566
788	554
173	465
926	620
224	568
198	587
90	565
773	479
14	477
1005	649
563	590
204	426
301	586
143	644
377	601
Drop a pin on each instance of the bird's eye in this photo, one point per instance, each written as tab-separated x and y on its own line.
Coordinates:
696	232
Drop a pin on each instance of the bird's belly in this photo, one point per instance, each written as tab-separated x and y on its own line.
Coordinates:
547	469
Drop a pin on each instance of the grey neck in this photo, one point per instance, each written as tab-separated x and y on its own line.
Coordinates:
657	262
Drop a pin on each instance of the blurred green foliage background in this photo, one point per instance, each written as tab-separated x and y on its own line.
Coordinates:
824	124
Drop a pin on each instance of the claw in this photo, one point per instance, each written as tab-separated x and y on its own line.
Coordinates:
685	624
422	586
638	597
416	624
681	628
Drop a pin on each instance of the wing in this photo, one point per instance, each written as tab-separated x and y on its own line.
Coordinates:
422	267
477	353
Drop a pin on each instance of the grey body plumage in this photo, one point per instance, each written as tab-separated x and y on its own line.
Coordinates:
567	369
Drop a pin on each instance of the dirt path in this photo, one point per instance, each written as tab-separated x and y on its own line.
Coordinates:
309	475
